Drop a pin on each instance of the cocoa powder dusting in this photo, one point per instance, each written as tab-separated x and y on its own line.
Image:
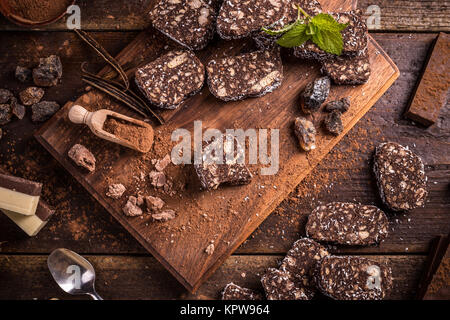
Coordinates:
38	10
141	137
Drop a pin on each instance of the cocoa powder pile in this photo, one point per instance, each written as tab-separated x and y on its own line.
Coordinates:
141	137
38	10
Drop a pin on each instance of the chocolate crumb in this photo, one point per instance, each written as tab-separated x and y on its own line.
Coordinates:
49	72
158	179
154	203
116	191
82	157
341	105
31	95
131	208
164	216
333	123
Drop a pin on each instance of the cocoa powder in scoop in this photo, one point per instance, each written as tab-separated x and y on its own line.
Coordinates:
141	137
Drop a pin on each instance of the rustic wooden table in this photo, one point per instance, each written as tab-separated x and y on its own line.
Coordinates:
125	270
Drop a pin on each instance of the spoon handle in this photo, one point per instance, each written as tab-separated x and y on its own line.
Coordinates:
94	295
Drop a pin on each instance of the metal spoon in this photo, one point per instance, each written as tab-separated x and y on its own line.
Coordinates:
73	273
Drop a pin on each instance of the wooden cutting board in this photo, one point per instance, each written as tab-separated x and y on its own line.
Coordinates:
225	217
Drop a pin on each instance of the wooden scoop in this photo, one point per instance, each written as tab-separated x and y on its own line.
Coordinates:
96	120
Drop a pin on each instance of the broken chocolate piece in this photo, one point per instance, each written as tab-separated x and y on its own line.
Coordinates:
238	19
400	177
354	37
215	171
235	292
163	163
279	285
333	123
19	195
23	74
131	208
314	95
341	105
431	93
348	70
158	179
164	216
5	96
17	109
44	110
188	22
353	278
82	157
31	95
306	133
154	203
116	191
249	75
301	260
172	78
49	72
5	114
347	224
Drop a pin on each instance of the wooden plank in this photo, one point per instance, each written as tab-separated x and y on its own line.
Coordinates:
84	226
399	15
202	216
121	277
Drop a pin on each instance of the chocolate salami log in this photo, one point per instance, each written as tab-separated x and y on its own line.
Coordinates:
400	177
235	292
280	285
354	36
239	18
266	41
347	223
249	75
301	260
353	278
348	70
170	79
188	22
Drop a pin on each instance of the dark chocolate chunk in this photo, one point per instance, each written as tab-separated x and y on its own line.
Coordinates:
280	285
238	19
5	96
301	260
249	75
23	74
17	109
131	208
341	105
5	114
354	37
43	211
348	70
49	72
215	171
266	41
44	110
400	177
235	292
31	95
188	22
348	224
315	94
333	123
170	79
20	185
82	157
353	278
306	133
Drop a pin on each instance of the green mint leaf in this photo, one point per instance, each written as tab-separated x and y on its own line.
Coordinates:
325	21
281	31
294	37
329	41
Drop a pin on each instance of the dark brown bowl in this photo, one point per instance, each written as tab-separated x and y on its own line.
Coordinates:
5	9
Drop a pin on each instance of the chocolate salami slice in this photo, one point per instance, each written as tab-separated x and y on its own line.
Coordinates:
170	79
266	41
235	292
347	223
348	70
188	22
400	177
301	260
354	36
249	75
353	278
280	285
222	163
239	18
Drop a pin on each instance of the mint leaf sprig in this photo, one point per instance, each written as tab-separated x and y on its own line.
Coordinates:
321	29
